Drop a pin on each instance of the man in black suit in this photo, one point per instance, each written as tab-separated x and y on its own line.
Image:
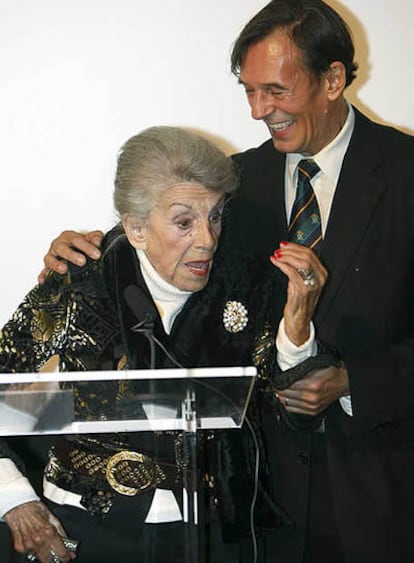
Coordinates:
347	485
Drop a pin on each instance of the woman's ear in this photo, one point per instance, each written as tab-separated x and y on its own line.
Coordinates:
335	80
135	231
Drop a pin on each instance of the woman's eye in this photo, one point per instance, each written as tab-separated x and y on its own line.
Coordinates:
215	217
184	223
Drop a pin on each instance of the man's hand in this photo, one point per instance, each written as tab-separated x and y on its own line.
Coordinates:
65	247
315	392
35	530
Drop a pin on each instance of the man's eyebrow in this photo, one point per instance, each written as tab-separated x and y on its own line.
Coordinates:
265	85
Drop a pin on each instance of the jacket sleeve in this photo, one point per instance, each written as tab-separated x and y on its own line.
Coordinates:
35	332
15	488
37	329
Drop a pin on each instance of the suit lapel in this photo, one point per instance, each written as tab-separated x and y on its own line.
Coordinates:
360	188
271	186
281	225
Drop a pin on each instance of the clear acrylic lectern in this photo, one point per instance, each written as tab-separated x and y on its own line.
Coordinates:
184	400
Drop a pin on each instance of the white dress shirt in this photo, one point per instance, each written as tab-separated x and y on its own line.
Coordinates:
329	160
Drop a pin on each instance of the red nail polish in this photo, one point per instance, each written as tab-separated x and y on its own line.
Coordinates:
283	243
277	254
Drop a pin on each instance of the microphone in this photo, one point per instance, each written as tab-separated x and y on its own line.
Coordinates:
143	309
138	303
146	326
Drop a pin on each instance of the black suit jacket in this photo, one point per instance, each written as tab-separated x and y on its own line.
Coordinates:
367	313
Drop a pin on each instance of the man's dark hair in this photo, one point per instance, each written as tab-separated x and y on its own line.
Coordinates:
315	28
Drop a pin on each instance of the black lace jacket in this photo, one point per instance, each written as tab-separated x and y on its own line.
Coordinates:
86	319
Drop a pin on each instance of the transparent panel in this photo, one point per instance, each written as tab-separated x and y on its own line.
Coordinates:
124	401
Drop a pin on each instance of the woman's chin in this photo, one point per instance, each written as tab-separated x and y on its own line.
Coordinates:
195	284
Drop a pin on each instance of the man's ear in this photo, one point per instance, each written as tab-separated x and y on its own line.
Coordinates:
135	230
335	80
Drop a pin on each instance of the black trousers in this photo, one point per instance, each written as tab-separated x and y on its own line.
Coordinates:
322	543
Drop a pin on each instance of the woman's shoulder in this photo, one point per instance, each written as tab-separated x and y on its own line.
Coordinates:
88	279
93	271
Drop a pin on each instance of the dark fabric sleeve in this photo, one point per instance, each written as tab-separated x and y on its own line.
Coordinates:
37	329
7	452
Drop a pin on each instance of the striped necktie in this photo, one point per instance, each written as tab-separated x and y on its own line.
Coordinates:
305	219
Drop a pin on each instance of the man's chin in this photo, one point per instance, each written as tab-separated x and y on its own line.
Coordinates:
285	146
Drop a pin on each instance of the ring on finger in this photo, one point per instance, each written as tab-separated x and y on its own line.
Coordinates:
308	276
286	401
54	558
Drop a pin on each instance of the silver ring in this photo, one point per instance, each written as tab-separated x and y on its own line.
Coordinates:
308	276
286	401
54	558
70	544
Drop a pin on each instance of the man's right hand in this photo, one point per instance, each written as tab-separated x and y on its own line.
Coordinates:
313	393
35	530
64	249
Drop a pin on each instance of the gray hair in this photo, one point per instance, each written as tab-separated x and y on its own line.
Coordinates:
159	158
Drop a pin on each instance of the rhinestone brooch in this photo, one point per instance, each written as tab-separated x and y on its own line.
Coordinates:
235	316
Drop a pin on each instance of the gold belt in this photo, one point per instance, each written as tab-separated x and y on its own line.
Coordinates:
127	472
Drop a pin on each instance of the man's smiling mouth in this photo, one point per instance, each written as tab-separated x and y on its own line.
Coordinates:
281	126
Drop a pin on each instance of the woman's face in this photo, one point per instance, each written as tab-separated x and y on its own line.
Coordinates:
180	235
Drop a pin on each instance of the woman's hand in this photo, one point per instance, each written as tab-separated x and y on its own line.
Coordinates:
35	530
312	394
64	247
306	276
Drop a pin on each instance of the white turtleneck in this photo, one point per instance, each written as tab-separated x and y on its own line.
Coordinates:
168	298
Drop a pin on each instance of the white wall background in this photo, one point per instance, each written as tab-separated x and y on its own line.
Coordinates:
78	77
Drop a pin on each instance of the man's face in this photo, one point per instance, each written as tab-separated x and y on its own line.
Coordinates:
282	92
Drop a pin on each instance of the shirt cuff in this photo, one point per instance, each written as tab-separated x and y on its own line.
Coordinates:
15	488
290	355
346	404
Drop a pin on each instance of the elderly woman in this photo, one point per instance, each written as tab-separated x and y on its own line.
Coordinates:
171	188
